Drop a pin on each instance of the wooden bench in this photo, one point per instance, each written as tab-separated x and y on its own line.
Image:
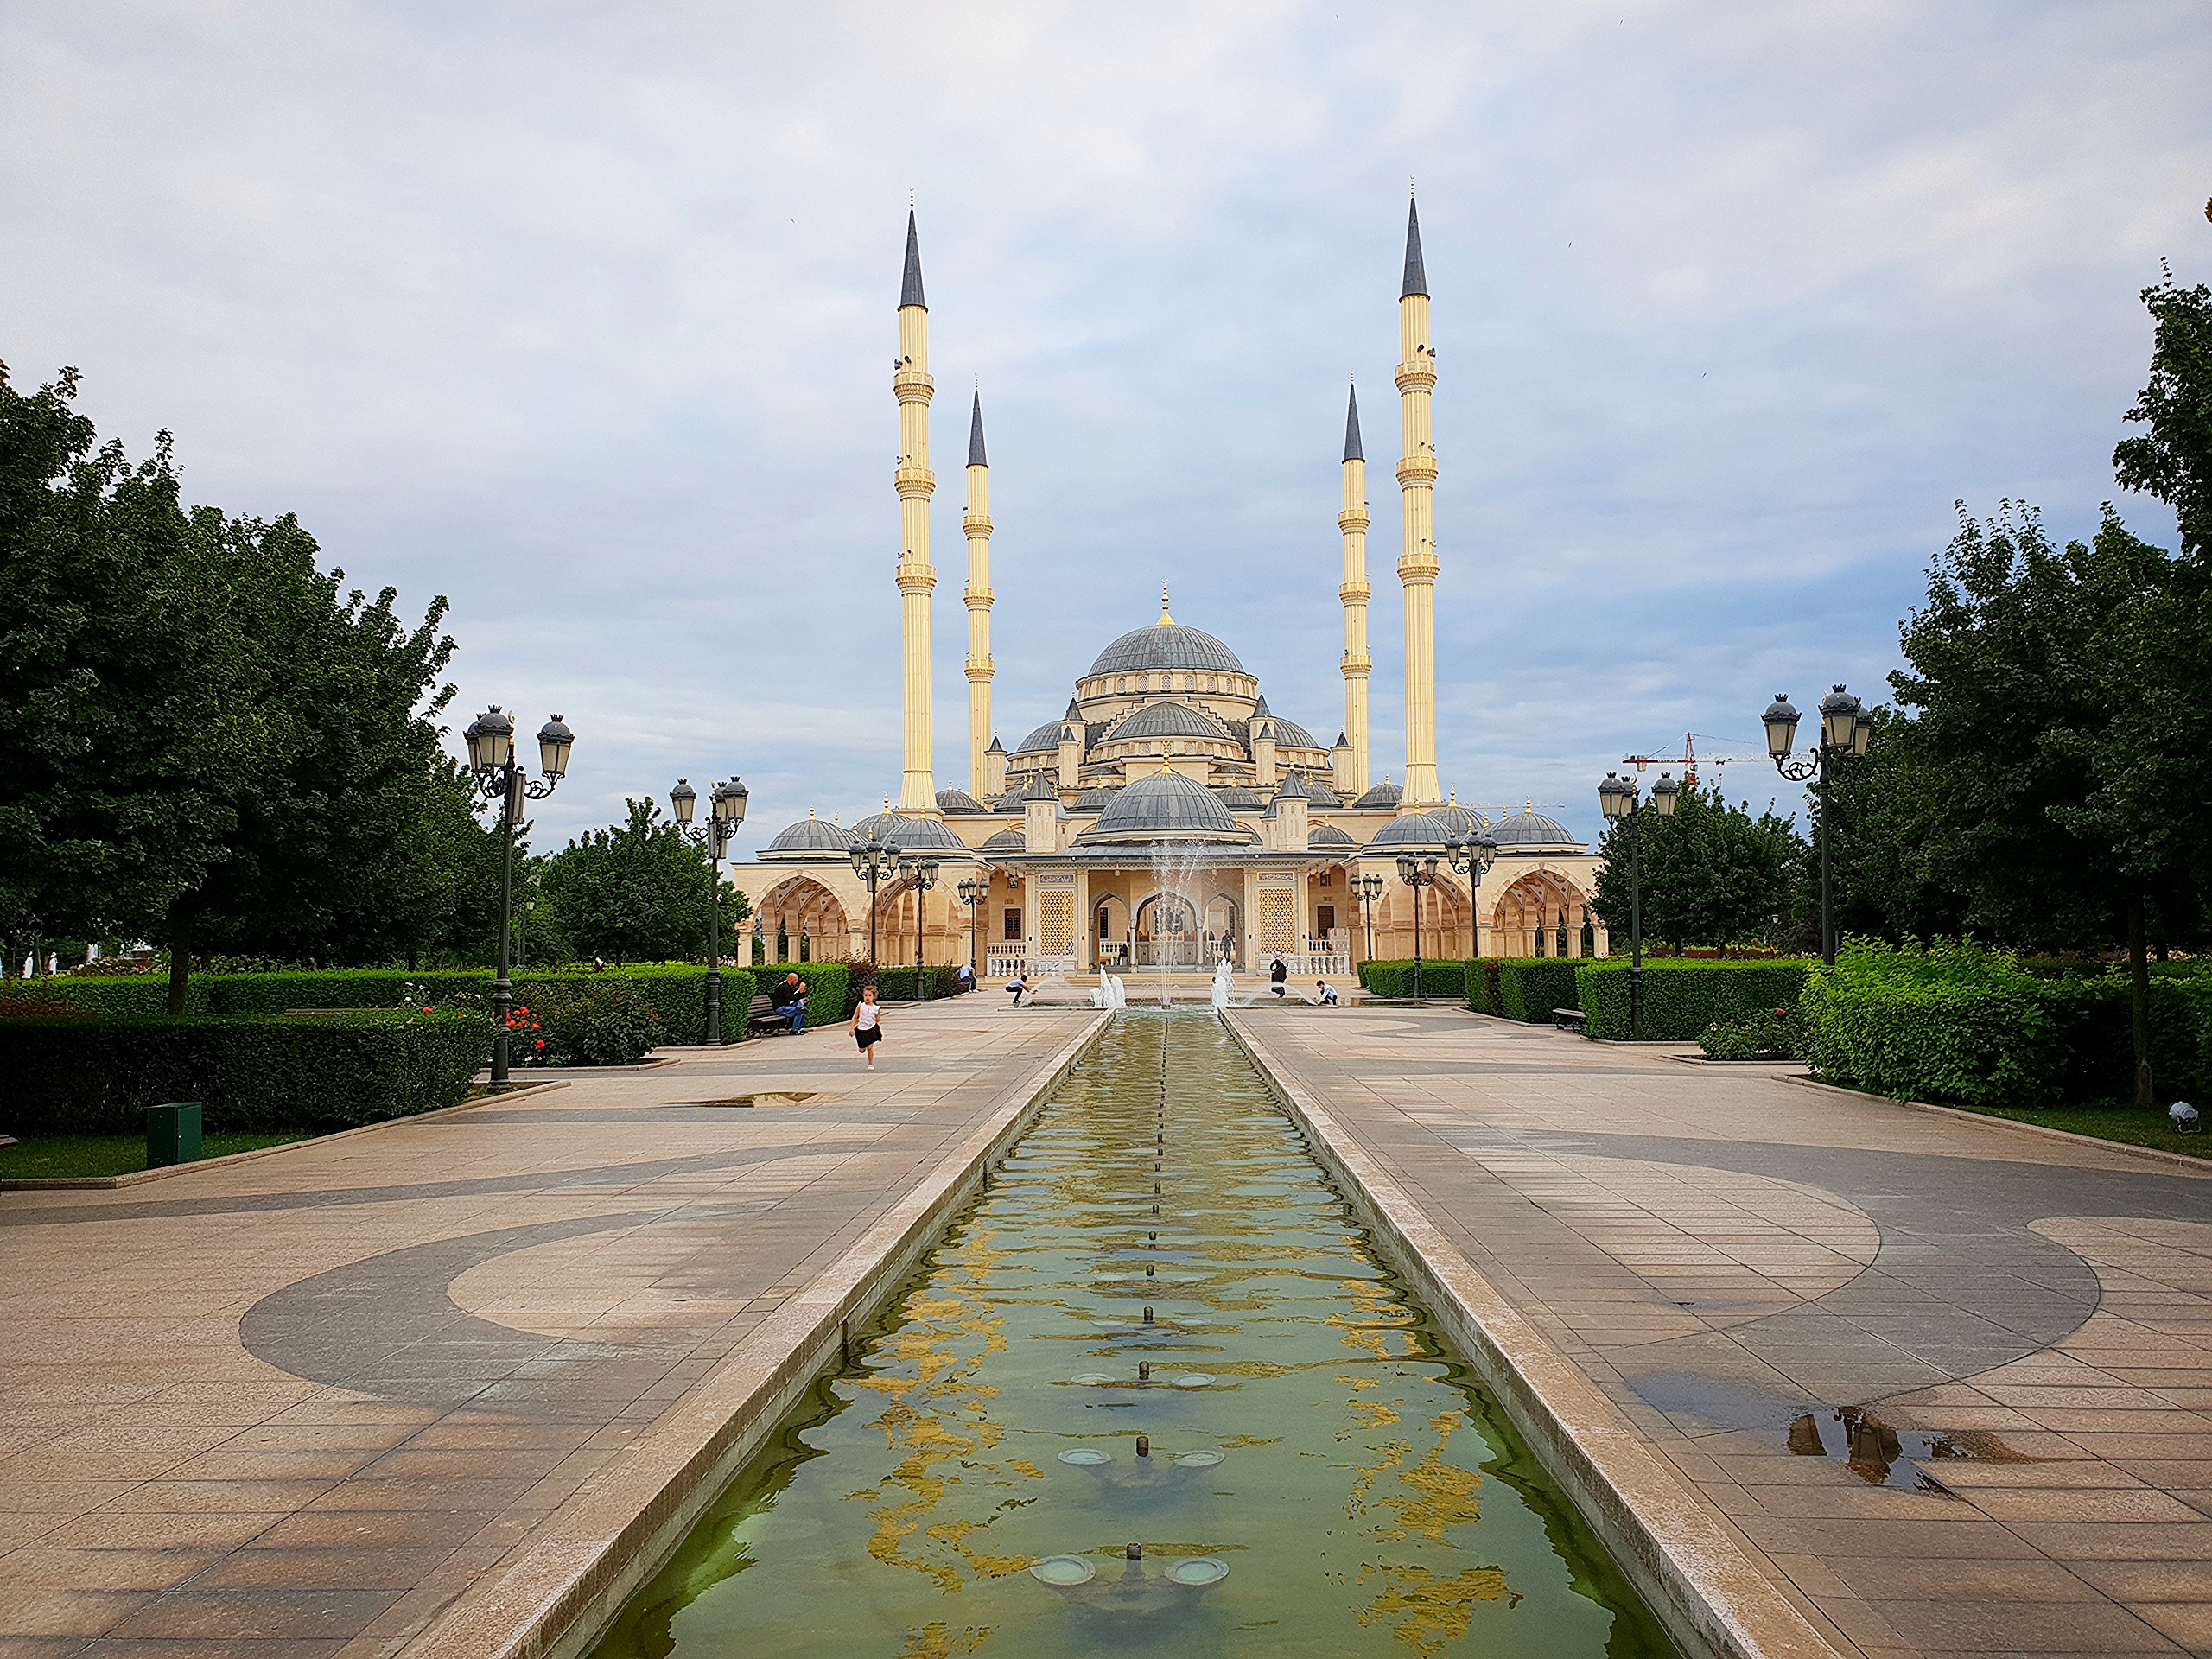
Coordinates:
765	1015
1569	1018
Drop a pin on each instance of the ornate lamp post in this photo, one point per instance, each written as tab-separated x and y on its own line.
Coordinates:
1616	798
1367	889
1471	856
1417	873
1845	726
973	890
726	811
920	873
492	758
872	860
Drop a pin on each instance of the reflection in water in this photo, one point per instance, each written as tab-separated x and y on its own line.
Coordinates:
1300	1467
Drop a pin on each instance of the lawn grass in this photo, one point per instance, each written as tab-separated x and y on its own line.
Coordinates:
76	1157
2109	1122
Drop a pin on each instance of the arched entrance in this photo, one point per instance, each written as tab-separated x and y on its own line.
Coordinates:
1110	929
1223	933
1543	914
1167	932
801	920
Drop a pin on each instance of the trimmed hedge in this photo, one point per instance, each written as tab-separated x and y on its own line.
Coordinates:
832	989
333	1071
1682	997
1529	987
1440	976
898	984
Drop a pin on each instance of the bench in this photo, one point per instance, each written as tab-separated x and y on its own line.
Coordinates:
1569	1018
765	1015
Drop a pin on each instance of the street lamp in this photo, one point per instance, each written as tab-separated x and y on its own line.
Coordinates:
490	738
725	810
1472	855
1845	726
1417	872
872	860
920	873
1367	889
973	890
1617	798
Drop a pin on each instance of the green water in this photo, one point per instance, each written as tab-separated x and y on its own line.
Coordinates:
1368	1495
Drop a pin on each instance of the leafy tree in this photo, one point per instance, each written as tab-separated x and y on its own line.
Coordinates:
2173	460
1880	805
637	892
1711	872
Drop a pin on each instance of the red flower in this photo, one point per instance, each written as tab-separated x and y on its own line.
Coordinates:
426	1008
541	1042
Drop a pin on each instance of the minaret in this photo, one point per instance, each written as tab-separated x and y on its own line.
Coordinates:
977	524
915	483
1417	559
1356	664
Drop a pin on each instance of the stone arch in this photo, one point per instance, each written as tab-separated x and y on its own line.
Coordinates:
800	907
1542	914
1446	920
1165	927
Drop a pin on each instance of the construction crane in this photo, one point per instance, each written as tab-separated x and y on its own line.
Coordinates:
1688	760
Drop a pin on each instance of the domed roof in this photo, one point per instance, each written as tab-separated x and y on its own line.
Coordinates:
1165	644
909	835
1385	793
1322	794
1410	830
958	800
1006	841
1092	800
1462	820
1327	838
1291	736
1167	720
1046	736
1240	797
1528	829
1166	806
811	837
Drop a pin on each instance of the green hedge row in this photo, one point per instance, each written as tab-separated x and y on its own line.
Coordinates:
1439	977
98	1077
1682	997
898	984
1529	987
2007	1039
832	988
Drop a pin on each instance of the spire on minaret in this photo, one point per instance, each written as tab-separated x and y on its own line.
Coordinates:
1416	278
1417	561
975	456
982	778
910	292
1352	451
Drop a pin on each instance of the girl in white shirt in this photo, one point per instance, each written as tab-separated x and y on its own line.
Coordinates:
867	1025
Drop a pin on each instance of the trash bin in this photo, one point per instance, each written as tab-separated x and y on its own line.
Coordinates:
172	1133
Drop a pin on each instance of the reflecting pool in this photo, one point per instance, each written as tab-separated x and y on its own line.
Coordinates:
1154	1393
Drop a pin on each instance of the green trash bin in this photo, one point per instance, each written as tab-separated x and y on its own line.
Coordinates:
172	1133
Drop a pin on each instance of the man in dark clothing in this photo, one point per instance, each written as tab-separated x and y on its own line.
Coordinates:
1279	977
790	997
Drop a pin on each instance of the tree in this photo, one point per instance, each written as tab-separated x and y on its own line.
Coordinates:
1711	872
635	891
2173	460
1880	806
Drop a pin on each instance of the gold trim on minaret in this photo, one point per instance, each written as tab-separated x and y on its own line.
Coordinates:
1353	522
915	484
977	524
1417	563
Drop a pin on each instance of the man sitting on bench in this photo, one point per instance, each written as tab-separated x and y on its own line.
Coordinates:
789	998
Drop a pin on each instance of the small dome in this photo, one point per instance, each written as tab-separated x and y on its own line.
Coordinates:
1168	720
1327	838
1165	644
1529	830
1046	736
1092	800
958	800
909	835
1408	832
1385	793
1238	798
1006	841
1324	796
1291	736
1166	806
810	838
1462	820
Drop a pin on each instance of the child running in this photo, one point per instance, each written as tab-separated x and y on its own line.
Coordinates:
867	1025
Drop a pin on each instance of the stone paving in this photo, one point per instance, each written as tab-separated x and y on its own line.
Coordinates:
1948	1383
294	1406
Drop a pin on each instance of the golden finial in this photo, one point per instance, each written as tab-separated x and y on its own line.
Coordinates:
1166	620
1527	805
810	812
1163	766
1455	797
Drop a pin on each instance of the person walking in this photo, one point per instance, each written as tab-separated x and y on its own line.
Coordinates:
867	1025
1279	977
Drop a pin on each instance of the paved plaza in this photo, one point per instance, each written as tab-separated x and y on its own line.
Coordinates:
1732	1258
292	1406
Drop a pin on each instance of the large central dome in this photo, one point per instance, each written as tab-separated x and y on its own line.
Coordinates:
1167	645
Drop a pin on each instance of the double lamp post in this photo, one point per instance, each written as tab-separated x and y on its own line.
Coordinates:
492	759
1845	726
1617	797
726	811
1469	856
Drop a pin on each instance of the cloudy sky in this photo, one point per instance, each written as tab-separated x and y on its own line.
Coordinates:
583	314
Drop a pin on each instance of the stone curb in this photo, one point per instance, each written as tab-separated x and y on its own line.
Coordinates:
140	1177
1713	1599
2201	1166
555	1599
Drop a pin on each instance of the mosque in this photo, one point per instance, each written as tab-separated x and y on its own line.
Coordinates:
1169	817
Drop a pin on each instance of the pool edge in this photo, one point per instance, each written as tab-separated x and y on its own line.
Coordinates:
557	1598
1713	1599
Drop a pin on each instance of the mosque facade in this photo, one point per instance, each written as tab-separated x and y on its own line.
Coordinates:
1170	817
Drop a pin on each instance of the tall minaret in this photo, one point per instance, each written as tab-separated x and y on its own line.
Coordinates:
1417	561
1356	664
977	524
911	384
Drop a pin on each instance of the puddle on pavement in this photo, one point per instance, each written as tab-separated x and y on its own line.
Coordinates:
1153	1394
1883	1456
788	1098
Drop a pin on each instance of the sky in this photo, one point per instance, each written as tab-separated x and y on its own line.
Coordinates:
582	315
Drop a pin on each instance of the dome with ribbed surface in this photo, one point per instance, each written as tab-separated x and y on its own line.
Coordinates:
909	835
1461	820
1166	806
810	838
1385	793
958	800
1046	736
1006	841
1410	832
1290	734
1327	838
1529	830
1165	644
1168	720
